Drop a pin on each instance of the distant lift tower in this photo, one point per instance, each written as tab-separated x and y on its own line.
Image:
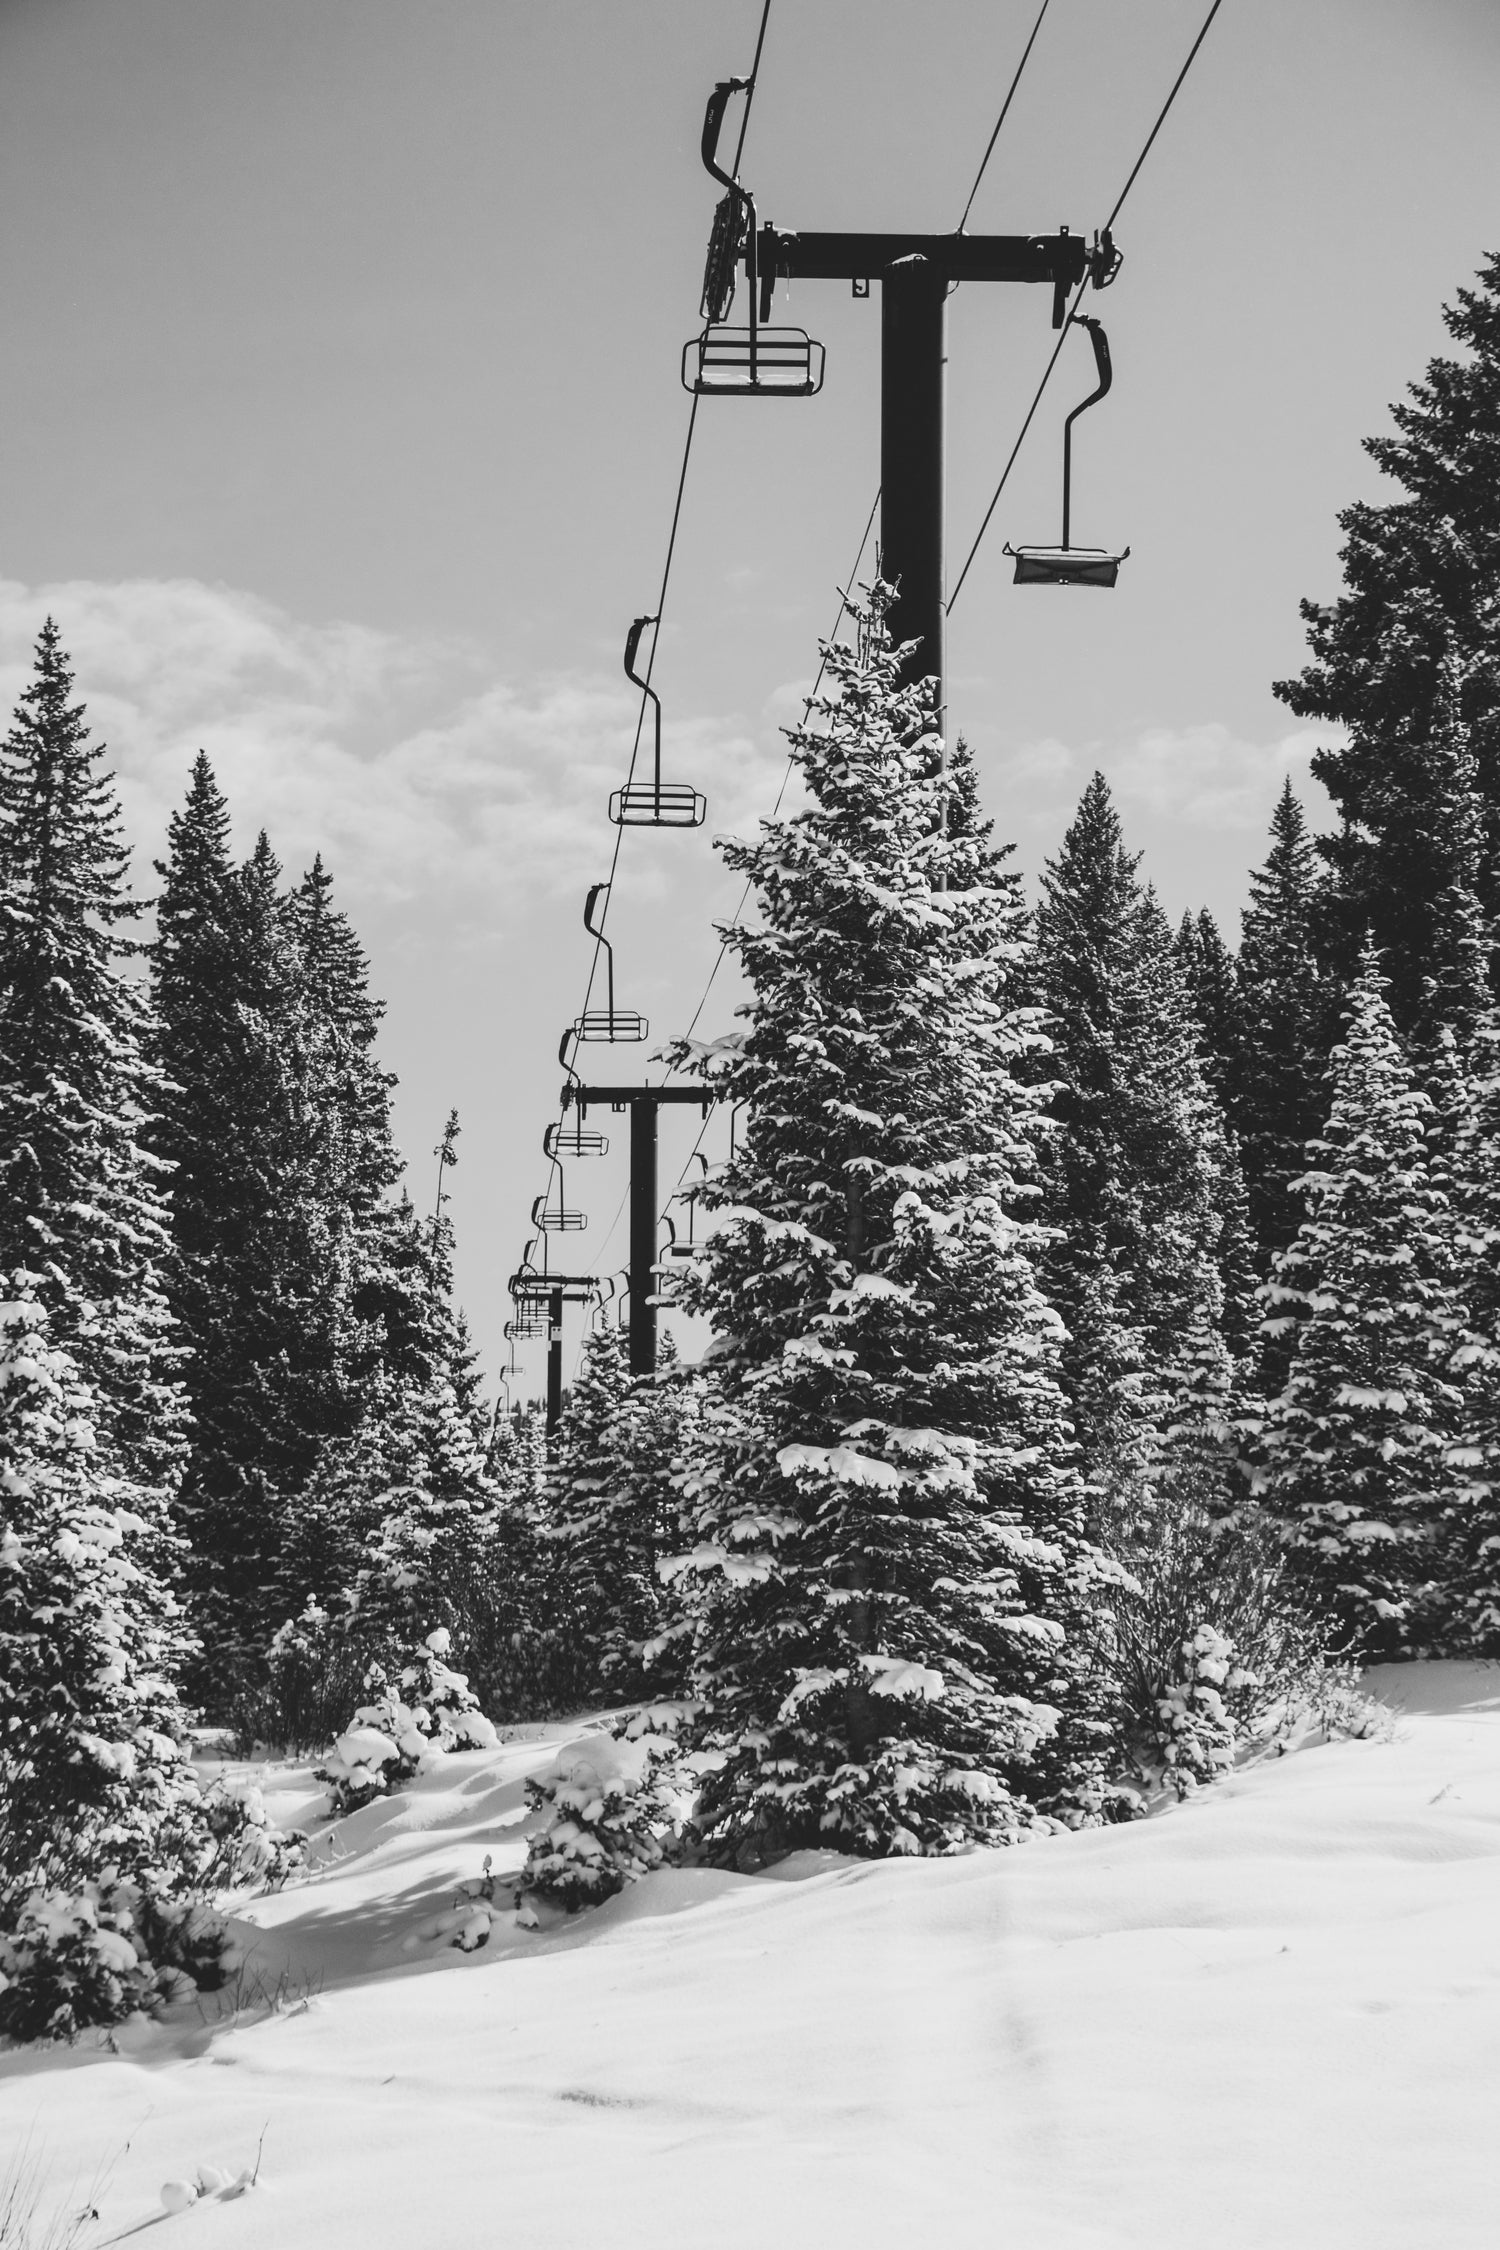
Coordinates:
916	273
643	1102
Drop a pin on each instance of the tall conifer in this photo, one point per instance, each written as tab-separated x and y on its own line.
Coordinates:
884	1528
1356	1446
1287	1026
1136	1167
81	1200
1419	577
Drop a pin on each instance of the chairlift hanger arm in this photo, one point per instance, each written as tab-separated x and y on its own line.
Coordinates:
713	126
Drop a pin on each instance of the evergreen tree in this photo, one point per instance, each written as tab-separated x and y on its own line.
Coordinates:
1419	575
81	1202
1287	1014
305	1290
1472	1533
884	1528
1140	1170
1211	975
612	1506
1355	1447
105	1840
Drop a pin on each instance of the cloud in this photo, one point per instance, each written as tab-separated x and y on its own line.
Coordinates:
397	757
1198	776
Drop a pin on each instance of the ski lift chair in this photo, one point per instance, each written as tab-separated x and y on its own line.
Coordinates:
689	1196
1068	565
529	1324
757	361
608	1025
654	803
569	1138
555	1218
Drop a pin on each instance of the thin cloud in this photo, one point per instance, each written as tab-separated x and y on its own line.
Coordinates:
395	757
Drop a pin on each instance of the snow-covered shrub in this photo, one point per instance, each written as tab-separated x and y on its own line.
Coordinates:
314	1676
248	1849
1208	1647
103	1952
408	1724
610	1809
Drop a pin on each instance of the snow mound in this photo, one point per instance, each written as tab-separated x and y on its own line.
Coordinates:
1265	2017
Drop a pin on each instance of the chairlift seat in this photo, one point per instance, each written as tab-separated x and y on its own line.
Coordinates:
658	804
1065	566
556	1219
752	363
615	1027
570	1139
526	1327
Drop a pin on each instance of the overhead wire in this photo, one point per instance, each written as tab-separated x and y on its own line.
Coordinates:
1077	300
1004	113
718	961
990	145
608	890
984	525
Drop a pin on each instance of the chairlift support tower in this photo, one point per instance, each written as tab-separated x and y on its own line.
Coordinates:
643	1102
916	273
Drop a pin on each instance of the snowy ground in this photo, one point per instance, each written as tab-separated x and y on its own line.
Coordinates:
1268	2018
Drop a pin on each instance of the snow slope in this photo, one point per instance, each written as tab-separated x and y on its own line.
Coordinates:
1270	2017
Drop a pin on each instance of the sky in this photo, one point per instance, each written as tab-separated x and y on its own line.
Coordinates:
340	426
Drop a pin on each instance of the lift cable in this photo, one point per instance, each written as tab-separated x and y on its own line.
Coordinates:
666	575
760	40
734	920
1077	299
1004	113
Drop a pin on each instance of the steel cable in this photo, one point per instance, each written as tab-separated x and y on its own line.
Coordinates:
1077	300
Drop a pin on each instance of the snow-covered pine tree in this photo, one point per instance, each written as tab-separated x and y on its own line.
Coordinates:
81	1201
1471	1536
1288	1023
1140	1173
613	1510
1355	1448
1211	975
105	1843
302	1284
1419	577
883	1521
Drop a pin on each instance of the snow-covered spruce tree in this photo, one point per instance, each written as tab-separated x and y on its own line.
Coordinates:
81	1202
106	1845
883	1521
1211	975
1139	1174
1471	1536
1355	1448
1420	573
298	1272
1279	1098
613	1511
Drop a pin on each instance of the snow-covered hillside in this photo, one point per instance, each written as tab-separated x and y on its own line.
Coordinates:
1270	2017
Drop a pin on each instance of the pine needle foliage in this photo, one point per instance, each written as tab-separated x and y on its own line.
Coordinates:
1356	1447
81	1201
1143	1194
1419	577
885	1567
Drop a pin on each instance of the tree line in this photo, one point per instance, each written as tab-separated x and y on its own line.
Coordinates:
1106	1344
